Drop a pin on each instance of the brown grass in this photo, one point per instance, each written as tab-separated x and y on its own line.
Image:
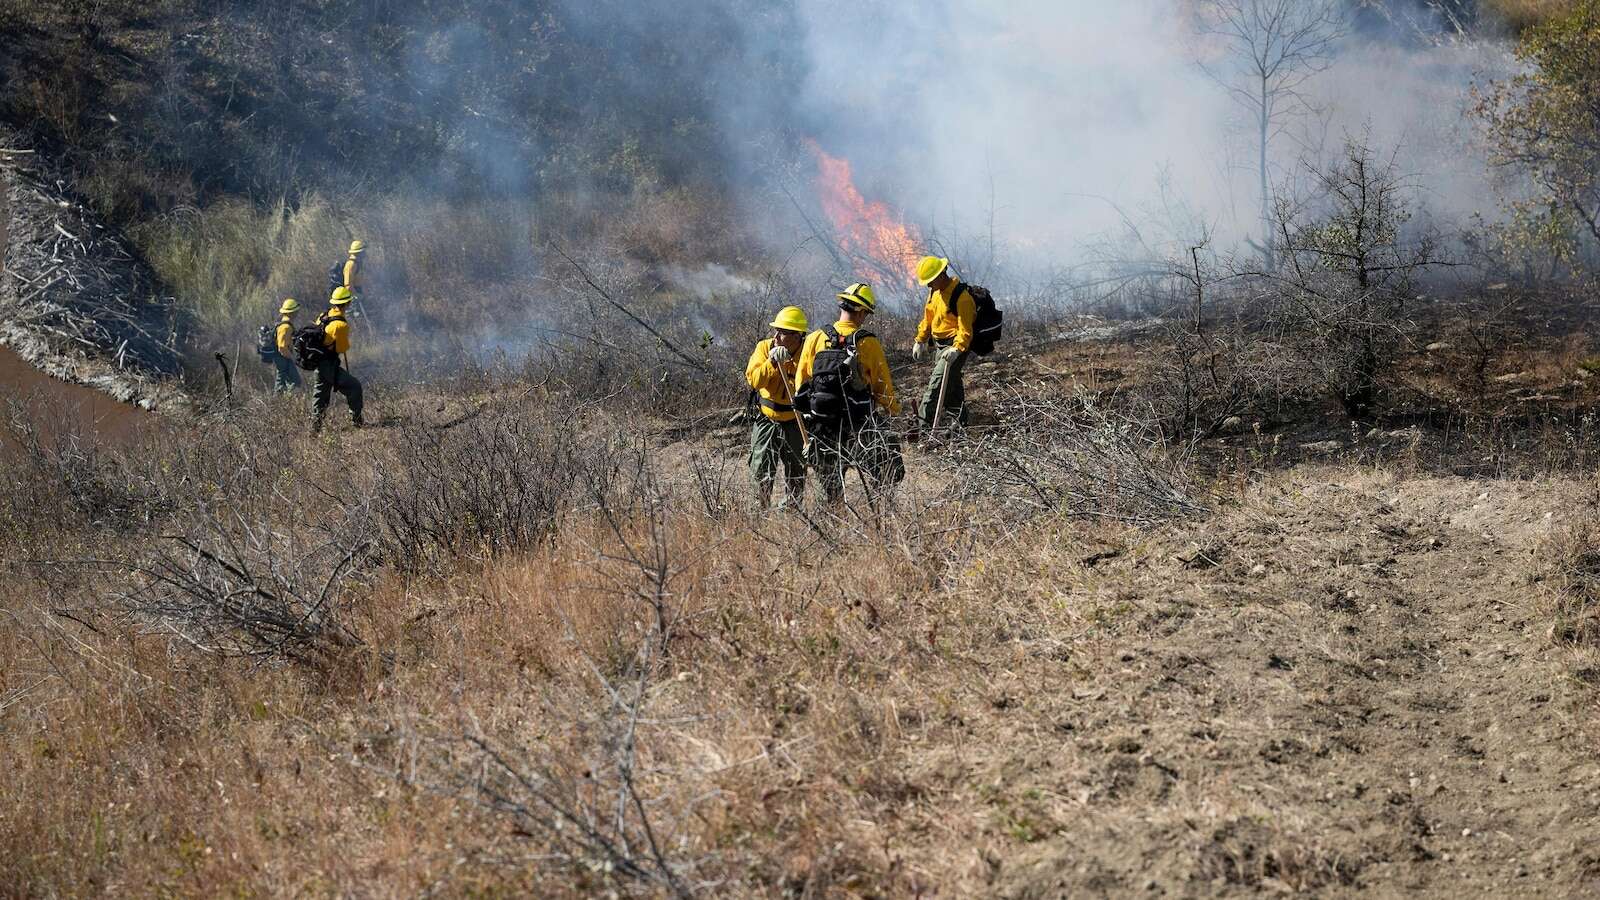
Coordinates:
881	707
1522	14
141	766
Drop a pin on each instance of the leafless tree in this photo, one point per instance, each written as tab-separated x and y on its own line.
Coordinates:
1265	52
1349	262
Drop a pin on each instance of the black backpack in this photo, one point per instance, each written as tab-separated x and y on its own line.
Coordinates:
336	276
310	347
837	393
267	343
986	327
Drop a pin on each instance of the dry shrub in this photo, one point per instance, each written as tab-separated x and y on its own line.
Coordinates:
1522	14
1203	379
499	481
64	481
1569	567
243	581
1072	456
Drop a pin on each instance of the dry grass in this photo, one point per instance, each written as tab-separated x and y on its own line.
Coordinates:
767	724
1568	566
803	708
1522	14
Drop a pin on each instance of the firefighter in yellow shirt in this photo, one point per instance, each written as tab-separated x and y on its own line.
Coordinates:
331	373
288	374
775	438
946	331
844	390
354	278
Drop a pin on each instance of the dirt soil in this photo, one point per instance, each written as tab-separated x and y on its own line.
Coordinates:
1335	686
58	406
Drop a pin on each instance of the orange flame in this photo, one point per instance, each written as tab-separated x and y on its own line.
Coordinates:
865	228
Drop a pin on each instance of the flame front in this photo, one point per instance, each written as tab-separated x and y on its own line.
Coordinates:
865	228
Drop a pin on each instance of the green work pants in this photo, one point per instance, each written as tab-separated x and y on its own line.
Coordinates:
774	444
287	377
954	396
872	450
332	377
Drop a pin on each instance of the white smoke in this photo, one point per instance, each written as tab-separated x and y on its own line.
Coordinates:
1057	120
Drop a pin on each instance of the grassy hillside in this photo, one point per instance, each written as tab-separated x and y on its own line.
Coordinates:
526	637
1291	589
242	145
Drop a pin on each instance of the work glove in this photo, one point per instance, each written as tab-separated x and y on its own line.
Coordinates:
778	355
949	354
919	351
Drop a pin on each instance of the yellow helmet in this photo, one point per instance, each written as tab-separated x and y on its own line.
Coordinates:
357	247
860	296
341	296
289	306
791	318
931	267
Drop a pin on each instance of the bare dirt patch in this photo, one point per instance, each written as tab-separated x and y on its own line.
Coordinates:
1335	686
59	407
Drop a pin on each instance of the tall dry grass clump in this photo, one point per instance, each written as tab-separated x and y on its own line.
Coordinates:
1519	15
428	262
1568	566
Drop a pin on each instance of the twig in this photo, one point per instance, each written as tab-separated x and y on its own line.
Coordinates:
696	364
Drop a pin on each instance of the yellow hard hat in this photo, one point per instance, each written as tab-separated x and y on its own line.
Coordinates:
290	305
341	296
860	296
931	267
357	246
791	318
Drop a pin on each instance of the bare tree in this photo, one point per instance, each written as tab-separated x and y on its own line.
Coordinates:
1268	50
1349	263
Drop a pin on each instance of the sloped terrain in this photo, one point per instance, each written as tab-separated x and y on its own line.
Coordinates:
75	302
1338	684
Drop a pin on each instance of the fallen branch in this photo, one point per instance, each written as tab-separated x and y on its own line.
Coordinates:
227	377
584	274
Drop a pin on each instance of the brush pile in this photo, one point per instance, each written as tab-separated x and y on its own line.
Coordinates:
74	301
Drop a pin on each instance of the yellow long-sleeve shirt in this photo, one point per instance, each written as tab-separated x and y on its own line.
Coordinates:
336	331
874	367
769	382
944	326
286	337
352	273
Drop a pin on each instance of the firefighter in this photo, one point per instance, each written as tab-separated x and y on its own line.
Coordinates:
844	389
350	276
945	331
775	437
331	372
352	268
288	377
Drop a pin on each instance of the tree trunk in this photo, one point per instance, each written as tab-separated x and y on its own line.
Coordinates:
1268	263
